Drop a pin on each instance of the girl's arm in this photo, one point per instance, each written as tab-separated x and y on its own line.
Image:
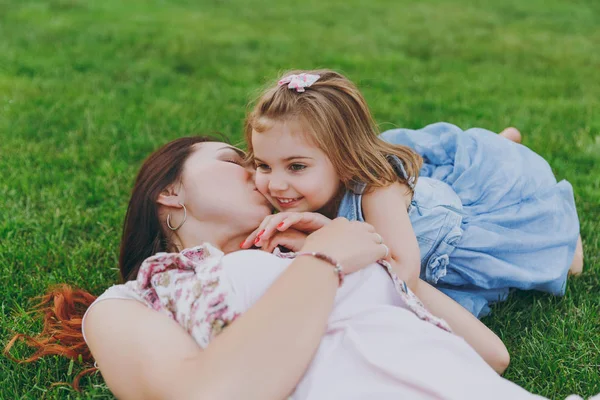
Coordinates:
263	354
466	325
386	209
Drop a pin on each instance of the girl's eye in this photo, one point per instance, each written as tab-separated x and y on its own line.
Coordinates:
262	167
297	167
238	162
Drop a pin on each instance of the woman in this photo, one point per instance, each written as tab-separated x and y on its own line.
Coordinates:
289	329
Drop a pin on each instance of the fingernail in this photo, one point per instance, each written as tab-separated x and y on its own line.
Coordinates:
257	239
260	234
242	244
280	225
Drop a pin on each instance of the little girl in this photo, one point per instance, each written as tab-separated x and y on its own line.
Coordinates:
485	216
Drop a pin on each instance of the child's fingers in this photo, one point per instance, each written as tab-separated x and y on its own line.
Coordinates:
249	241
315	220
290	221
305	222
274	242
292	240
254	237
261	231
269	244
270	227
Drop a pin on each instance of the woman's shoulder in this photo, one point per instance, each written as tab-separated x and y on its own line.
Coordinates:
116	292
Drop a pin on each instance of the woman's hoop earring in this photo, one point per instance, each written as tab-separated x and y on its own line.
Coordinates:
182	222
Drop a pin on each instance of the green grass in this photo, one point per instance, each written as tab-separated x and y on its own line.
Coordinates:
89	88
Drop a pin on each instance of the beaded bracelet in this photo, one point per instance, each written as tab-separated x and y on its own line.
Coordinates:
337	267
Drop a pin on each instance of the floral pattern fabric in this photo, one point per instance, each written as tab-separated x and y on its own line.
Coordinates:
187	286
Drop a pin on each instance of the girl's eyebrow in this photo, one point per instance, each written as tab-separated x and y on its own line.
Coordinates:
289	158
297	158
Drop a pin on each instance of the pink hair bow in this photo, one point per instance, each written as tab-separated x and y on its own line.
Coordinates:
299	82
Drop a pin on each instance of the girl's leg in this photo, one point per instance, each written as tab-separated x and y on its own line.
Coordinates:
512	134
577	264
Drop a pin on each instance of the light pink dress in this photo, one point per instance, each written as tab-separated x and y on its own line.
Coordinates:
377	344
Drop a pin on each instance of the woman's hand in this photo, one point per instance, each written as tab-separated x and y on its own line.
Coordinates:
307	222
353	244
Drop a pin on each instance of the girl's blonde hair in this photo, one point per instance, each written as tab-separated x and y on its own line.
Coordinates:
341	126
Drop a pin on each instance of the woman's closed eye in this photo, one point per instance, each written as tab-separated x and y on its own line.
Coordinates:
234	161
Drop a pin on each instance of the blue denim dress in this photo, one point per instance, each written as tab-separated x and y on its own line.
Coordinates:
488	214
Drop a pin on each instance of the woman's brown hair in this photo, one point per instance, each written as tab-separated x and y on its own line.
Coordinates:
62	308
340	124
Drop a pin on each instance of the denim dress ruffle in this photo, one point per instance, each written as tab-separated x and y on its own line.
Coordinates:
488	214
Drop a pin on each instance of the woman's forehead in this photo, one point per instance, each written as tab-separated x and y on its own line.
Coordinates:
212	150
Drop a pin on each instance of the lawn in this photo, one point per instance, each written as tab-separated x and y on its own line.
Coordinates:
89	88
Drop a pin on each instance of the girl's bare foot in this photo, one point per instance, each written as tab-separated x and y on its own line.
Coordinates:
577	264
512	134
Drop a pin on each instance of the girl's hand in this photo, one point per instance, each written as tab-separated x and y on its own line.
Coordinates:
291	239
302	221
353	244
